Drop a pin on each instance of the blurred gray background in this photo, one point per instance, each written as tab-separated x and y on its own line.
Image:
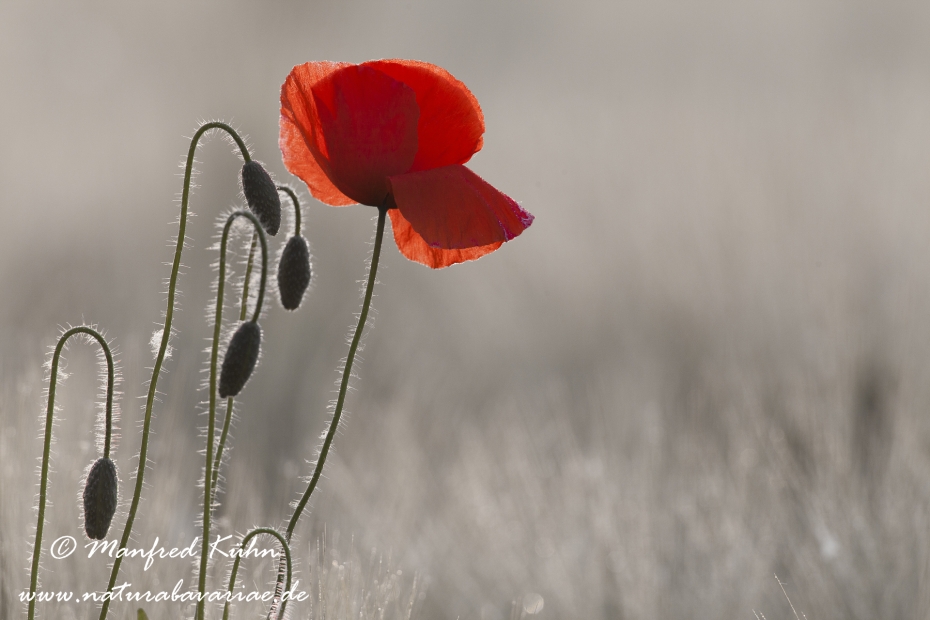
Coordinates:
703	365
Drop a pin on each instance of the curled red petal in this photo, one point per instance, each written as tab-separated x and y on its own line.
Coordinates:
368	123
302	148
412	246
451	126
453	208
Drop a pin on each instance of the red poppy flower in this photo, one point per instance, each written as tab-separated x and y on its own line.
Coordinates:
396	133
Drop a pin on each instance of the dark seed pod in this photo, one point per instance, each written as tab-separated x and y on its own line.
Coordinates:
294	272
100	497
262	196
240	359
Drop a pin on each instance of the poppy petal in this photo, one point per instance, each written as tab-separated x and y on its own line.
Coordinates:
300	140
368	123
451	124
453	208
413	247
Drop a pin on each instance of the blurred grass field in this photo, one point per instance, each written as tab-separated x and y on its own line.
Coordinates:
705	363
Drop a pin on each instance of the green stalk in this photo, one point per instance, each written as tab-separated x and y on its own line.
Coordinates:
49	418
290	193
165	337
343	388
235	569
243	310
214	354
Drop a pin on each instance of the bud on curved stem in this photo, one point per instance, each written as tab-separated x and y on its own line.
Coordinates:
243	356
165	337
243	311
49	418
294	271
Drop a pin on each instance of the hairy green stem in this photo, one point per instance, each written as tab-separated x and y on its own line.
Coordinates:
343	388
214	354
290	192
244	304
243	310
163	347
49	415
346	373
235	569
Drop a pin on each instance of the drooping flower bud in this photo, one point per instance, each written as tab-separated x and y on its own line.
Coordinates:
240	359
294	272
100	498
262	196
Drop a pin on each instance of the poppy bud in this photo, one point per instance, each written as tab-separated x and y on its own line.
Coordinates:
100	498
294	272
240	359
262	196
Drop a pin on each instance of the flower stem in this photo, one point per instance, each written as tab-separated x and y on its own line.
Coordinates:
235	569
343	387
287	190
244	307
163	347
214	354
346	373
49	415
243	310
